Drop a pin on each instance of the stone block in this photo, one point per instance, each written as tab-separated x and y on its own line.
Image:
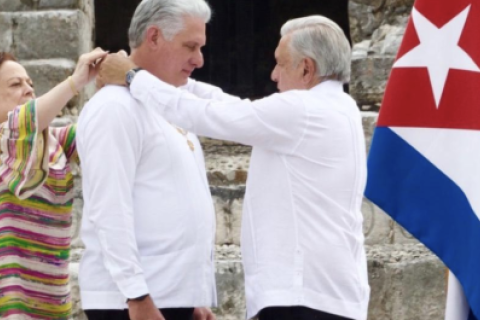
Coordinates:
46	74
228	210
57	4
223	147
230	284
6	33
50	34
33	5
360	50
386	40
366	16
17	5
369	78
230	169
369	122
402	236
407	282
377	225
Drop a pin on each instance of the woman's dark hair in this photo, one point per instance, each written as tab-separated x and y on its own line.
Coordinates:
5	56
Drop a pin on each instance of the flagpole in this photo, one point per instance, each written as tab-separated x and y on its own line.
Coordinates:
457	306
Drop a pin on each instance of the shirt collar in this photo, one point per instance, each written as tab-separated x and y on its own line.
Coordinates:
328	85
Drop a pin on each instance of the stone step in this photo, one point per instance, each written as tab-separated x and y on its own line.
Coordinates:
378	227
227	169
227	163
399	276
45	34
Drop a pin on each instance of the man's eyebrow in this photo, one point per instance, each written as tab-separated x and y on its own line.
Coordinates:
196	42
14	78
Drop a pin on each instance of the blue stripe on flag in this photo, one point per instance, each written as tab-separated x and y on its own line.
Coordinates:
428	204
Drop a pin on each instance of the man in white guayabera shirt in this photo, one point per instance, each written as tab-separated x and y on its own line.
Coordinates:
302	241
148	221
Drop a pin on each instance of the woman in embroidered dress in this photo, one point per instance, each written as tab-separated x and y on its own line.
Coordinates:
36	192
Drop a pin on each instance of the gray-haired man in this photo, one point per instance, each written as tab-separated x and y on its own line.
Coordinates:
148	221
302	240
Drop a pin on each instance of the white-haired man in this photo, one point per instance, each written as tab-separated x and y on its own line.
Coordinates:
302	240
148	220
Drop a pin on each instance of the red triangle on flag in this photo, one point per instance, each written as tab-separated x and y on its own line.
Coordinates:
409	98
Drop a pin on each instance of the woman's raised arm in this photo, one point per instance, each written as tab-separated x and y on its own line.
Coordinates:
52	102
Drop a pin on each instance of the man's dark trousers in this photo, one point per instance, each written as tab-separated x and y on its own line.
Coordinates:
296	313
168	314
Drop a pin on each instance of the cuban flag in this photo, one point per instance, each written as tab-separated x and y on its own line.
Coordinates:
424	162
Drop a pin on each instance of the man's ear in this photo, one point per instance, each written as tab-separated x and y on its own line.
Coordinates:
309	70
154	37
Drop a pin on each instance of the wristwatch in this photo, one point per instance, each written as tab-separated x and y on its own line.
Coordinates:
141	298
130	75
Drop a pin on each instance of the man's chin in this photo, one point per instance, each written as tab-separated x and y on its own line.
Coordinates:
181	82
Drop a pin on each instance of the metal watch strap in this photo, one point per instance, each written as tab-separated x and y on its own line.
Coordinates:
130	75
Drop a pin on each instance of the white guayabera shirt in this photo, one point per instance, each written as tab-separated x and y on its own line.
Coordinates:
302	239
148	219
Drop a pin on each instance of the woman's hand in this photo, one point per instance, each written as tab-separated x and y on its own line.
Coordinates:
52	102
87	67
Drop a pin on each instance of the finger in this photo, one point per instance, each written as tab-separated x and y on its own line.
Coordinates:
97	67
93	71
93	56
97	63
123	53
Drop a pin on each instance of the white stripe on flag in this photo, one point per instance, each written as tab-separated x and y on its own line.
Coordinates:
457	305
451	151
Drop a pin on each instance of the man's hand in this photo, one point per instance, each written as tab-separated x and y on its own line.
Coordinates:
114	69
144	310
203	314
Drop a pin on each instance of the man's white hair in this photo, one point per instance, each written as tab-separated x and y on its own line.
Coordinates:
168	15
322	40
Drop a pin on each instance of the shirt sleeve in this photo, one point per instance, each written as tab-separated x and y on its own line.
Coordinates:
276	123
207	91
110	148
23	152
66	137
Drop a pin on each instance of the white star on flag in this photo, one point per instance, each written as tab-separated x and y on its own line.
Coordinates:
438	50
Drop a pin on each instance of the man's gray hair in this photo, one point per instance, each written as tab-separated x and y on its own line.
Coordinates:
167	15
322	40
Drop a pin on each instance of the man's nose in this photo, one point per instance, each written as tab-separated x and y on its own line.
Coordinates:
274	75
198	59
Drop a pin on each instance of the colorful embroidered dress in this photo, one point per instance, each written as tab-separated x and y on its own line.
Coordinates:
36	191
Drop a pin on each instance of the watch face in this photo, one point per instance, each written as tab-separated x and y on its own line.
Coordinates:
129	77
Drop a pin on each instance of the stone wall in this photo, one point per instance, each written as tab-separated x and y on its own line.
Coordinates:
407	281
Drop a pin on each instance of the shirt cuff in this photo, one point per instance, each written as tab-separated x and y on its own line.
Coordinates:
133	287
